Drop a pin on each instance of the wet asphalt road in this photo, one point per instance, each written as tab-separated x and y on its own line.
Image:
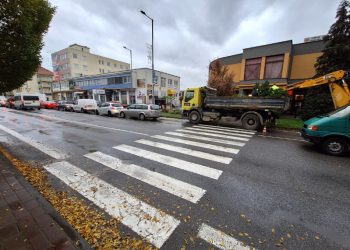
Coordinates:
277	192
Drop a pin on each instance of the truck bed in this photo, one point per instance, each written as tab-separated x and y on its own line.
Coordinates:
254	103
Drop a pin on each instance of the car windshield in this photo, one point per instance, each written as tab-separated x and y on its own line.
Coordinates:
117	105
30	98
341	112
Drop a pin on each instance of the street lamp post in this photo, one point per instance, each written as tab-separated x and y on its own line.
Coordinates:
153	101
130	62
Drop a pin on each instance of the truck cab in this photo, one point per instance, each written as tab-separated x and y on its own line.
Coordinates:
331	131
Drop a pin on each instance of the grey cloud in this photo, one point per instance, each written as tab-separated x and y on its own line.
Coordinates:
188	34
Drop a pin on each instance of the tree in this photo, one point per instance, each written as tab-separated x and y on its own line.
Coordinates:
336	56
221	79
23	24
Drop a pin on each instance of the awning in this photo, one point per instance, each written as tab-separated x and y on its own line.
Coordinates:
171	92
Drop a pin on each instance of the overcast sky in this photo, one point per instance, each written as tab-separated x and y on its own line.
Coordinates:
188	34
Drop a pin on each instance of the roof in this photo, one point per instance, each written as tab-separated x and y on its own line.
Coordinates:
44	72
75	44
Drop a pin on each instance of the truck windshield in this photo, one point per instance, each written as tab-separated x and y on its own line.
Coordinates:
189	95
342	112
30	98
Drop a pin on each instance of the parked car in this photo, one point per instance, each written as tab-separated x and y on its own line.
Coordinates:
331	131
10	103
2	101
50	105
65	105
110	109
141	111
85	105
27	101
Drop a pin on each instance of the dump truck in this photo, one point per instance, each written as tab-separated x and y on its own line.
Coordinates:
201	104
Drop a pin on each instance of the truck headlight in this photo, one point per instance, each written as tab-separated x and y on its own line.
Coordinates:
313	127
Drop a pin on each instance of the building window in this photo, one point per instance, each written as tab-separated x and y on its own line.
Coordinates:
170	82
252	69
85	67
121	66
75	55
108	64
162	82
76	66
273	66
115	65
176	84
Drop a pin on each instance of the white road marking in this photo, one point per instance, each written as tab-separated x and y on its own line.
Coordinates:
219	132
85	124
176	187
203	138
143	219
213	135
281	138
54	153
198	144
171	161
187	151
225	128
220	239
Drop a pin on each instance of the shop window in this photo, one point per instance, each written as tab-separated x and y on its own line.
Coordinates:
252	69
273	66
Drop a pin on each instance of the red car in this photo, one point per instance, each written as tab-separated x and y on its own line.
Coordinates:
10	103
49	105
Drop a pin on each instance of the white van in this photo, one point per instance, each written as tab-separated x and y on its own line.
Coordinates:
85	105
26	101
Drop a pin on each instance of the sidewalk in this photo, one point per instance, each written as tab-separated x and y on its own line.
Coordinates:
24	224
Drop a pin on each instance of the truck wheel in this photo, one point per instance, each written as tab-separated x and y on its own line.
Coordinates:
335	146
194	117
251	122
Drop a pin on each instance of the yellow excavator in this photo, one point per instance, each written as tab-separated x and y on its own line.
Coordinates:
338	87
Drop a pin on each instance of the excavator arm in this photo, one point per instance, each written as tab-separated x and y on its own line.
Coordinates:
336	81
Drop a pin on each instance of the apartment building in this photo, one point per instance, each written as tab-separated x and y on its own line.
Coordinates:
77	61
281	63
41	83
121	86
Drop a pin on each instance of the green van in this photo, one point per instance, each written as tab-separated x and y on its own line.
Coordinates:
331	131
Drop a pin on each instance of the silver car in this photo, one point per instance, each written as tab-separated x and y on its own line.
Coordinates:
110	109
141	111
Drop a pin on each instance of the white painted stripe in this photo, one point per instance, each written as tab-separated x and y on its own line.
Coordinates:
145	220
166	183
198	144
54	153
219	132
220	239
225	128
187	151
214	135
81	123
282	138
203	138
171	161
248	132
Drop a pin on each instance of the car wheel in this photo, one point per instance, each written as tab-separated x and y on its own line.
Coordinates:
194	117
251	122
82	111
142	117
96	112
122	115
109	113
335	146
155	118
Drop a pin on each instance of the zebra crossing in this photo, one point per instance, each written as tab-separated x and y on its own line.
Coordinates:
209	143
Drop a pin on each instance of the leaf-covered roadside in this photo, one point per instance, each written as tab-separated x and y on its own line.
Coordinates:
99	232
